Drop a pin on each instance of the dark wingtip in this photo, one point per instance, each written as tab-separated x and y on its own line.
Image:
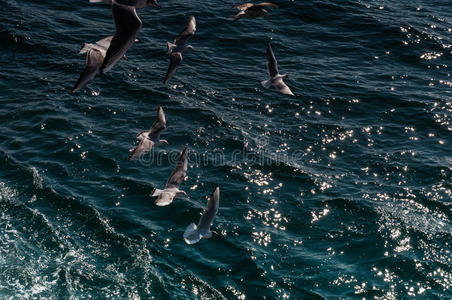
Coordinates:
130	156
76	88
184	151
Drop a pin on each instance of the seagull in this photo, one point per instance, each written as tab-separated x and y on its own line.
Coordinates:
172	190
150	138
180	46
250	10
194	233
275	78
128	25
140	3
95	54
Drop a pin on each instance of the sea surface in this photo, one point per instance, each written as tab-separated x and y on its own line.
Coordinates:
342	191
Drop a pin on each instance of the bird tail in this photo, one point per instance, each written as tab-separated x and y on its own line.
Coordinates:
266	83
169	47
191	234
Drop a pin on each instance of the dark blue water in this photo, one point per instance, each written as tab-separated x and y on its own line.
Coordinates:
343	191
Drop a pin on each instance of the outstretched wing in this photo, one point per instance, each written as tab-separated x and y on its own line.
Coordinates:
267	4
179	172
101	1
143	147
211	210
159	124
243	6
175	60
282	87
187	33
94	60
128	25
272	64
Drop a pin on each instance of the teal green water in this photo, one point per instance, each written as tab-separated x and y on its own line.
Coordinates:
343	191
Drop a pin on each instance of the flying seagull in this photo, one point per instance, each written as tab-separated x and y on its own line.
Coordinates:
128	25
250	10
95	54
139	3
194	233
180	46
275	78
150	138
172	190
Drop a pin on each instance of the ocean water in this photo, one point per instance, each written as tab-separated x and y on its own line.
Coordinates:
343	191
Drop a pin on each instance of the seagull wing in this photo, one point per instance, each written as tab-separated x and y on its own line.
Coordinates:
187	33
243	6
101	1
143	147
267	4
128	25
159	124
272	64
94	60
282	87
211	210
179	172
175	60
